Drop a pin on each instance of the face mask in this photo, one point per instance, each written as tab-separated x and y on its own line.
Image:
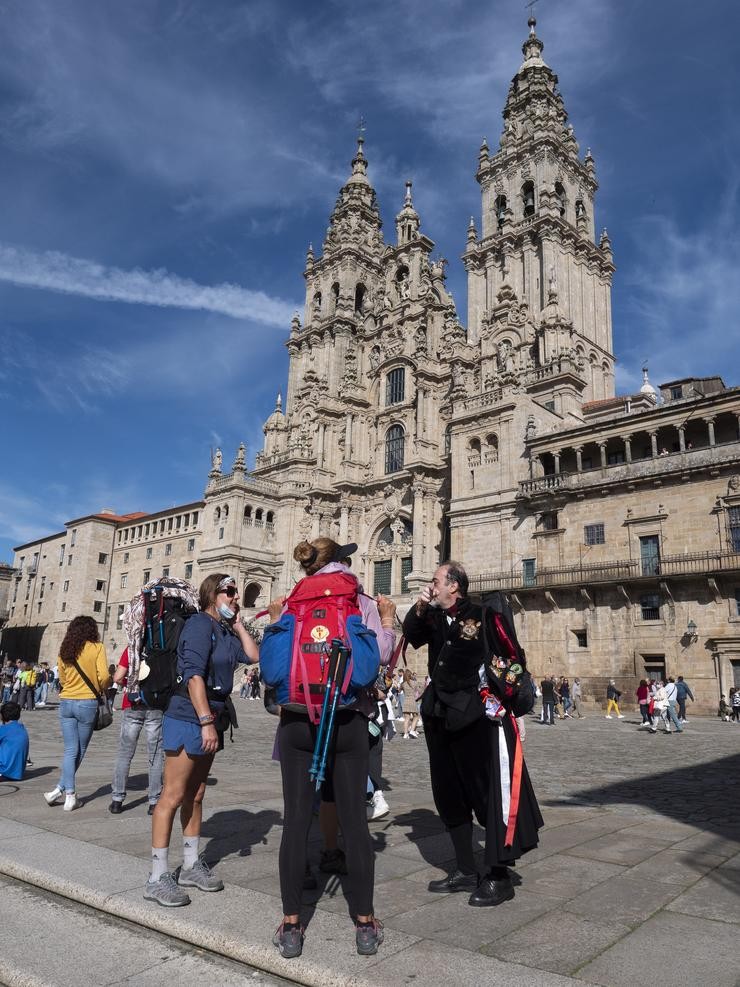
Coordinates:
226	612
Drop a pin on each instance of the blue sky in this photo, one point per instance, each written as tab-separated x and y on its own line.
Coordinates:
165	164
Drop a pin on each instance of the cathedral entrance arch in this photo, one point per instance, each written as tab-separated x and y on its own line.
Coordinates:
252	592
389	556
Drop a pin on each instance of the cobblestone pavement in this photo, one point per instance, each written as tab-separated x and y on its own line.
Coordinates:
640	855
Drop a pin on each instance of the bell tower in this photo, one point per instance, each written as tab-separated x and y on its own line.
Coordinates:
538	234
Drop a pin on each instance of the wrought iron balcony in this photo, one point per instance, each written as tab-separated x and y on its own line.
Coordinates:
627	570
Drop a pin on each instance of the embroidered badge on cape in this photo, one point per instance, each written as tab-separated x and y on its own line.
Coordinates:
469	629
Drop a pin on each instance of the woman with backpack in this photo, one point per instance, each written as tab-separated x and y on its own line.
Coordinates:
329	593
83	674
212	643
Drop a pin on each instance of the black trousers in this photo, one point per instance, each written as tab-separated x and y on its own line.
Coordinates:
459	764
349	768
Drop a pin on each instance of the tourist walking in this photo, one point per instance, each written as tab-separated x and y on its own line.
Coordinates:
135	718
683	692
83	674
643	699
549	698
671	694
612	700
322	561
576	694
212	643
471	736
735	705
410	705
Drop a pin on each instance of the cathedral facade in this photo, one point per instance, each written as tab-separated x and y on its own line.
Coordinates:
612	522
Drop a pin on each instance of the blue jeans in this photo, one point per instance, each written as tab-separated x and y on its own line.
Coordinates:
132	722
670	717
7	693
76	717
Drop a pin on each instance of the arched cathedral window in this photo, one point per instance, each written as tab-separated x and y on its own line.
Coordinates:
528	198
500	207
394	438
395	386
560	198
334	297
360	292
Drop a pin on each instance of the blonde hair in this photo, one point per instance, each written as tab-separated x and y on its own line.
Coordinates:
314	555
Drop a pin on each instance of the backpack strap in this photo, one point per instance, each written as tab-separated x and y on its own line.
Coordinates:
86	680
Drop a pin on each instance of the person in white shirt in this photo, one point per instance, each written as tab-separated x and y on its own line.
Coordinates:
671	694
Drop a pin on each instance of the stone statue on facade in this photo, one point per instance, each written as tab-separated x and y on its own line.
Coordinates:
216	463
240	461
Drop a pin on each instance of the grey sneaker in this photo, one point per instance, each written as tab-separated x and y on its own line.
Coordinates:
333	862
199	876
289	941
166	892
369	937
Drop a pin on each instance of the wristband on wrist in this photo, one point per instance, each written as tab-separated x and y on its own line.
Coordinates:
206	719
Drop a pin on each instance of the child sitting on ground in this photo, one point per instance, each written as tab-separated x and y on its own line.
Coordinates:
724	710
14	743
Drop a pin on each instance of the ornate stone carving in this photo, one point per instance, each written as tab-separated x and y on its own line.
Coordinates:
216	463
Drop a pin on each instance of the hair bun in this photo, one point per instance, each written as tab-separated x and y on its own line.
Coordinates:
305	553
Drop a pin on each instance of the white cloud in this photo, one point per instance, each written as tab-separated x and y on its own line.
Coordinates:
55	271
685	296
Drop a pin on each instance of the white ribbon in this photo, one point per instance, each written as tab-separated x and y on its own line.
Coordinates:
503	763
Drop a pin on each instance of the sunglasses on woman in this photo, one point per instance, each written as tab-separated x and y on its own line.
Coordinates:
231	592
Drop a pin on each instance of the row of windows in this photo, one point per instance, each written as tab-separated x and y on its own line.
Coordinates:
251	514
382	576
147	574
167	551
153	529
527	199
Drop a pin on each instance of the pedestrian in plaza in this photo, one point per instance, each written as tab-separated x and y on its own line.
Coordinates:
724	710
612	700
671	694
323	559
255	685
565	697
245	686
683	692
26	679
83	672
14	743
410	705
7	676
643	699
735	705
398	690
212	643
43	677
549	698
576	694
135	718
471	735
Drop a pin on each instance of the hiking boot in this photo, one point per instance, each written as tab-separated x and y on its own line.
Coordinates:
377	808
289	941
166	892
333	862
368	937
54	797
199	876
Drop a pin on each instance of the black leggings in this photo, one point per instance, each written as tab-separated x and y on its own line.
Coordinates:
349	766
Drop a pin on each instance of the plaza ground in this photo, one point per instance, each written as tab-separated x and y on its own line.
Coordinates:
638	869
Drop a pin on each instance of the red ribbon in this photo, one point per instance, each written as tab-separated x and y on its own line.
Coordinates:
516	783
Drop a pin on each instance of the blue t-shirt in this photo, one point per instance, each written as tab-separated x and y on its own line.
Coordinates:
208	649
14	746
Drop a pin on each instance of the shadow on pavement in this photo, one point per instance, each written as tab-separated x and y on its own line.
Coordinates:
236	831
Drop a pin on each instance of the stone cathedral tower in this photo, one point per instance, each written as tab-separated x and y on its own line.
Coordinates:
538	233
359	452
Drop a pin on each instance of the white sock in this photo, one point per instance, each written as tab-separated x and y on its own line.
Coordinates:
160	864
189	851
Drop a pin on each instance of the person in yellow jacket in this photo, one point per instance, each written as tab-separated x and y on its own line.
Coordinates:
81	650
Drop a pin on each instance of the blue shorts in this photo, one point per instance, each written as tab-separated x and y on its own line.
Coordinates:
179	734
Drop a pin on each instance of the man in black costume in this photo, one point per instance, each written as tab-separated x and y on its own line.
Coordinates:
478	686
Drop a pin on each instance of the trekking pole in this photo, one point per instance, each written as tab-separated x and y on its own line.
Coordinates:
341	666
336	644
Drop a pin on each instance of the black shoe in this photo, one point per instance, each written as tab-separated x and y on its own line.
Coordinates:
115	807
456	881
491	893
152	807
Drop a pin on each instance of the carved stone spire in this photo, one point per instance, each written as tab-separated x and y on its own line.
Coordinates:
407	220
